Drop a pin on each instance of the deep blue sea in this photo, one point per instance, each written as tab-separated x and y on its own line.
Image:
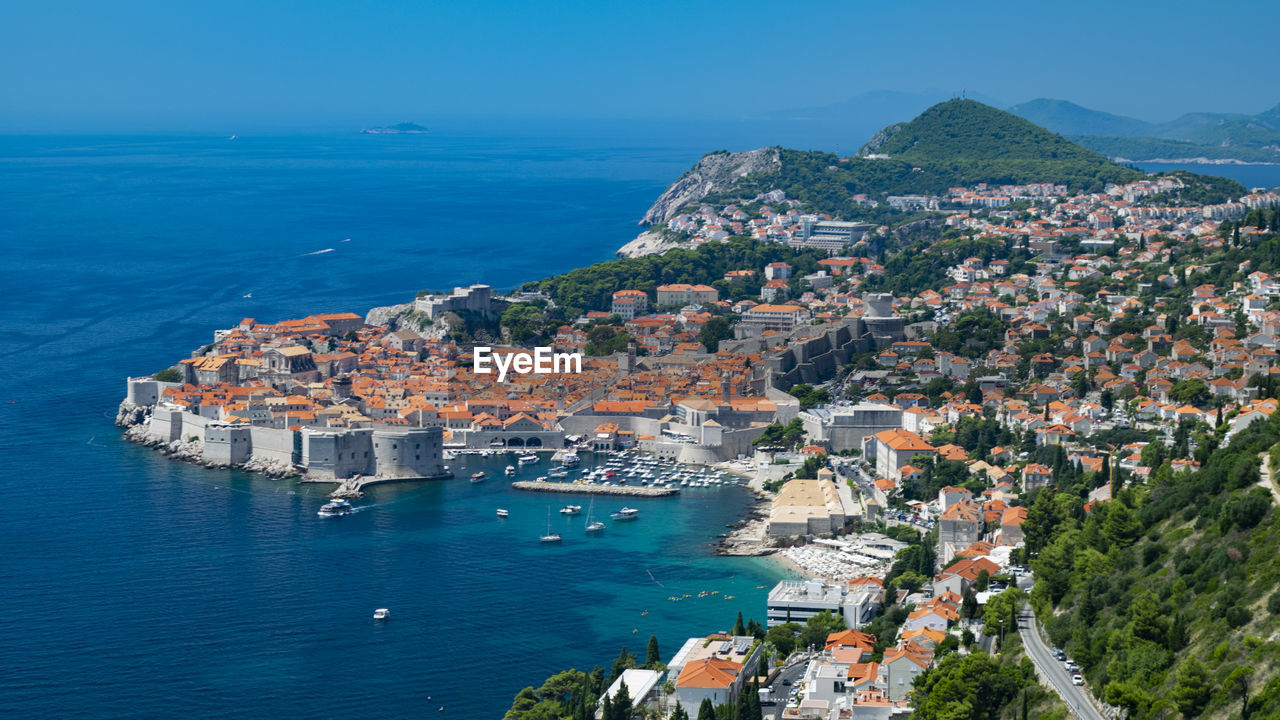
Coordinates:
137	587
1251	176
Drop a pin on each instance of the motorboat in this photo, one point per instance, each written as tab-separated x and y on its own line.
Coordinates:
382	614
625	513
477	477
511	470
527	459
336	508
558	473
571	458
571	510
502	512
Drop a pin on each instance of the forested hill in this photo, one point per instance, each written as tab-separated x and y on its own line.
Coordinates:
979	143
958	143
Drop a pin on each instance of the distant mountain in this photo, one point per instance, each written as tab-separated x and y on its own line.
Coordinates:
1213	136
1069	118
405	128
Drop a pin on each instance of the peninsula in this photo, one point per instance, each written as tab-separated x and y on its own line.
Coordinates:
972	352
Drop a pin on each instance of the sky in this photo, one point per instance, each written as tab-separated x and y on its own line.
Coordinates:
165	65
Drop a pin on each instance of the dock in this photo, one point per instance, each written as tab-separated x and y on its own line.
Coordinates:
582	489
353	487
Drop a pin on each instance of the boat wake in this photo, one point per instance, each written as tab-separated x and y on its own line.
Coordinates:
318	252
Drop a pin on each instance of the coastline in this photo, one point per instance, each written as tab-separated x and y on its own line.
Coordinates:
1193	161
134	419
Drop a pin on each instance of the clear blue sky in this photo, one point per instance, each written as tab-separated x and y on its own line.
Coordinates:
147	64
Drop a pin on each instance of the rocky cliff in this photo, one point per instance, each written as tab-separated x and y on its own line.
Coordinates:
714	172
404	317
646	243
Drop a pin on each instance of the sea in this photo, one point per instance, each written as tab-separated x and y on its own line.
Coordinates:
134	586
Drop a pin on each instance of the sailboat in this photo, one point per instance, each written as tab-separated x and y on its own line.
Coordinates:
593	525
550	537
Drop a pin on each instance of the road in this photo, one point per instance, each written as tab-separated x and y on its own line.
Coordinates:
1265	479
780	691
1076	697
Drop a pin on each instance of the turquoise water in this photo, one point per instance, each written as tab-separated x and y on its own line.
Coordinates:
135	586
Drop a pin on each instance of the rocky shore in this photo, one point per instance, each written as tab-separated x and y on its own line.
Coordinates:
558	487
749	537
134	419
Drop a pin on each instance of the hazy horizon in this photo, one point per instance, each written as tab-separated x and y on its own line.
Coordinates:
147	66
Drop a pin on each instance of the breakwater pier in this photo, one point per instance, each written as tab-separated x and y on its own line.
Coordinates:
582	489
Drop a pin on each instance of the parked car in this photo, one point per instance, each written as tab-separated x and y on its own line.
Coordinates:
1072	666
1077	679
1058	654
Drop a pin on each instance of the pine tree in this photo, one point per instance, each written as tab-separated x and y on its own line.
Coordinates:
652	657
679	713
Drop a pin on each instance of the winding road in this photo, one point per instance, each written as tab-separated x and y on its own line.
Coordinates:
1077	698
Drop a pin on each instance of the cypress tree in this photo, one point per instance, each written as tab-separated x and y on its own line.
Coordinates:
679	713
738	628
652	657
706	711
621	704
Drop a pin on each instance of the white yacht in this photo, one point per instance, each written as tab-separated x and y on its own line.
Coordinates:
625	513
527	459
382	614
502	512
571	510
511	470
571	458
336	508
550	537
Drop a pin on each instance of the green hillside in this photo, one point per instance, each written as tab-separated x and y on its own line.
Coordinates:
954	143
968	142
1146	148
1168	596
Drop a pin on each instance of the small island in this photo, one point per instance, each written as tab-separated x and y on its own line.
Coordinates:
405	128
